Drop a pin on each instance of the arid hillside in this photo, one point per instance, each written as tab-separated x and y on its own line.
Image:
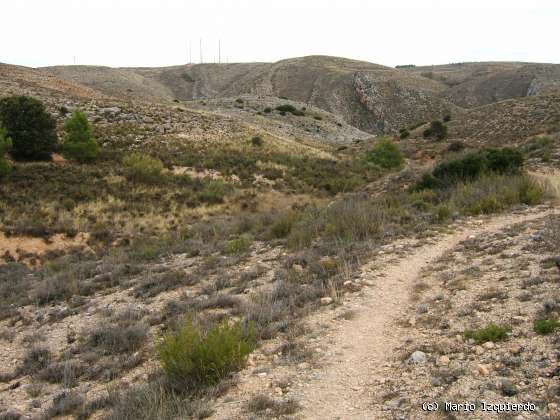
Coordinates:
246	243
371	97
475	84
368	96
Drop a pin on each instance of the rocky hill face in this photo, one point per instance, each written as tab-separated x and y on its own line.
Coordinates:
371	97
475	84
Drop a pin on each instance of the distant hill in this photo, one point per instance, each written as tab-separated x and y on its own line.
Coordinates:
371	97
475	84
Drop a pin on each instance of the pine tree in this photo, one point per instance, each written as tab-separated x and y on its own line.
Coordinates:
79	144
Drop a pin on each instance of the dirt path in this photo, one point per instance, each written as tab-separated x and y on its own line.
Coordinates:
363	346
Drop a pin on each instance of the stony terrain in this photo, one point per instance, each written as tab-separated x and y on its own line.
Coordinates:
399	343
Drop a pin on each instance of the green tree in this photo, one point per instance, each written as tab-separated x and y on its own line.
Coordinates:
31	128
5	146
79	143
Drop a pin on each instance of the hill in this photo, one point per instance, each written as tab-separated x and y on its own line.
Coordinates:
368	96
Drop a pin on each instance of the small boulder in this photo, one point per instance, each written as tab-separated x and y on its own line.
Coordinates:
418	358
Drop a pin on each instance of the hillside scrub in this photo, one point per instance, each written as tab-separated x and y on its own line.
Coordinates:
291	109
385	154
142	168
471	166
79	144
5	146
31	128
192	357
437	129
358	218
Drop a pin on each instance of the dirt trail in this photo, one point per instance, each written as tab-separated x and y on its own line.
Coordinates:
345	389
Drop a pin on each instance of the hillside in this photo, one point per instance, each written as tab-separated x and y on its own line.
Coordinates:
247	245
368	96
476	84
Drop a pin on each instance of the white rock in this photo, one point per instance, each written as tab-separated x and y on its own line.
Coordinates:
418	357
326	301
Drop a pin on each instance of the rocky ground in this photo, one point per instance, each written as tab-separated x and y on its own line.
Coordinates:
399	341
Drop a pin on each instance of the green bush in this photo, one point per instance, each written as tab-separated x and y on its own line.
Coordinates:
238	245
142	168
404	133
437	129
187	77
385	154
213	192
5	146
257	141
291	109
79	144
464	168
192	358
447	118
31	128
286	108
546	326
492	333
471	166
494	193
282	226
267	110
504	161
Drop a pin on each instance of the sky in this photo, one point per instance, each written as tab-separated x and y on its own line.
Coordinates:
126	33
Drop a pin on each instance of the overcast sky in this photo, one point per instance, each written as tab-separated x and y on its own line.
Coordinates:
158	32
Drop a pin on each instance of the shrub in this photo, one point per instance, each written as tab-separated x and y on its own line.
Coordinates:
289	108
79	143
504	161
239	245
492	333
282	226
142	168
455	146
190	357
5	146
187	77
263	402
154	400
471	166
546	326
213	192
447	118
123	336
286	108
257	141
404	133
30	126
267	110
464	168
493	193
385	154
437	129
